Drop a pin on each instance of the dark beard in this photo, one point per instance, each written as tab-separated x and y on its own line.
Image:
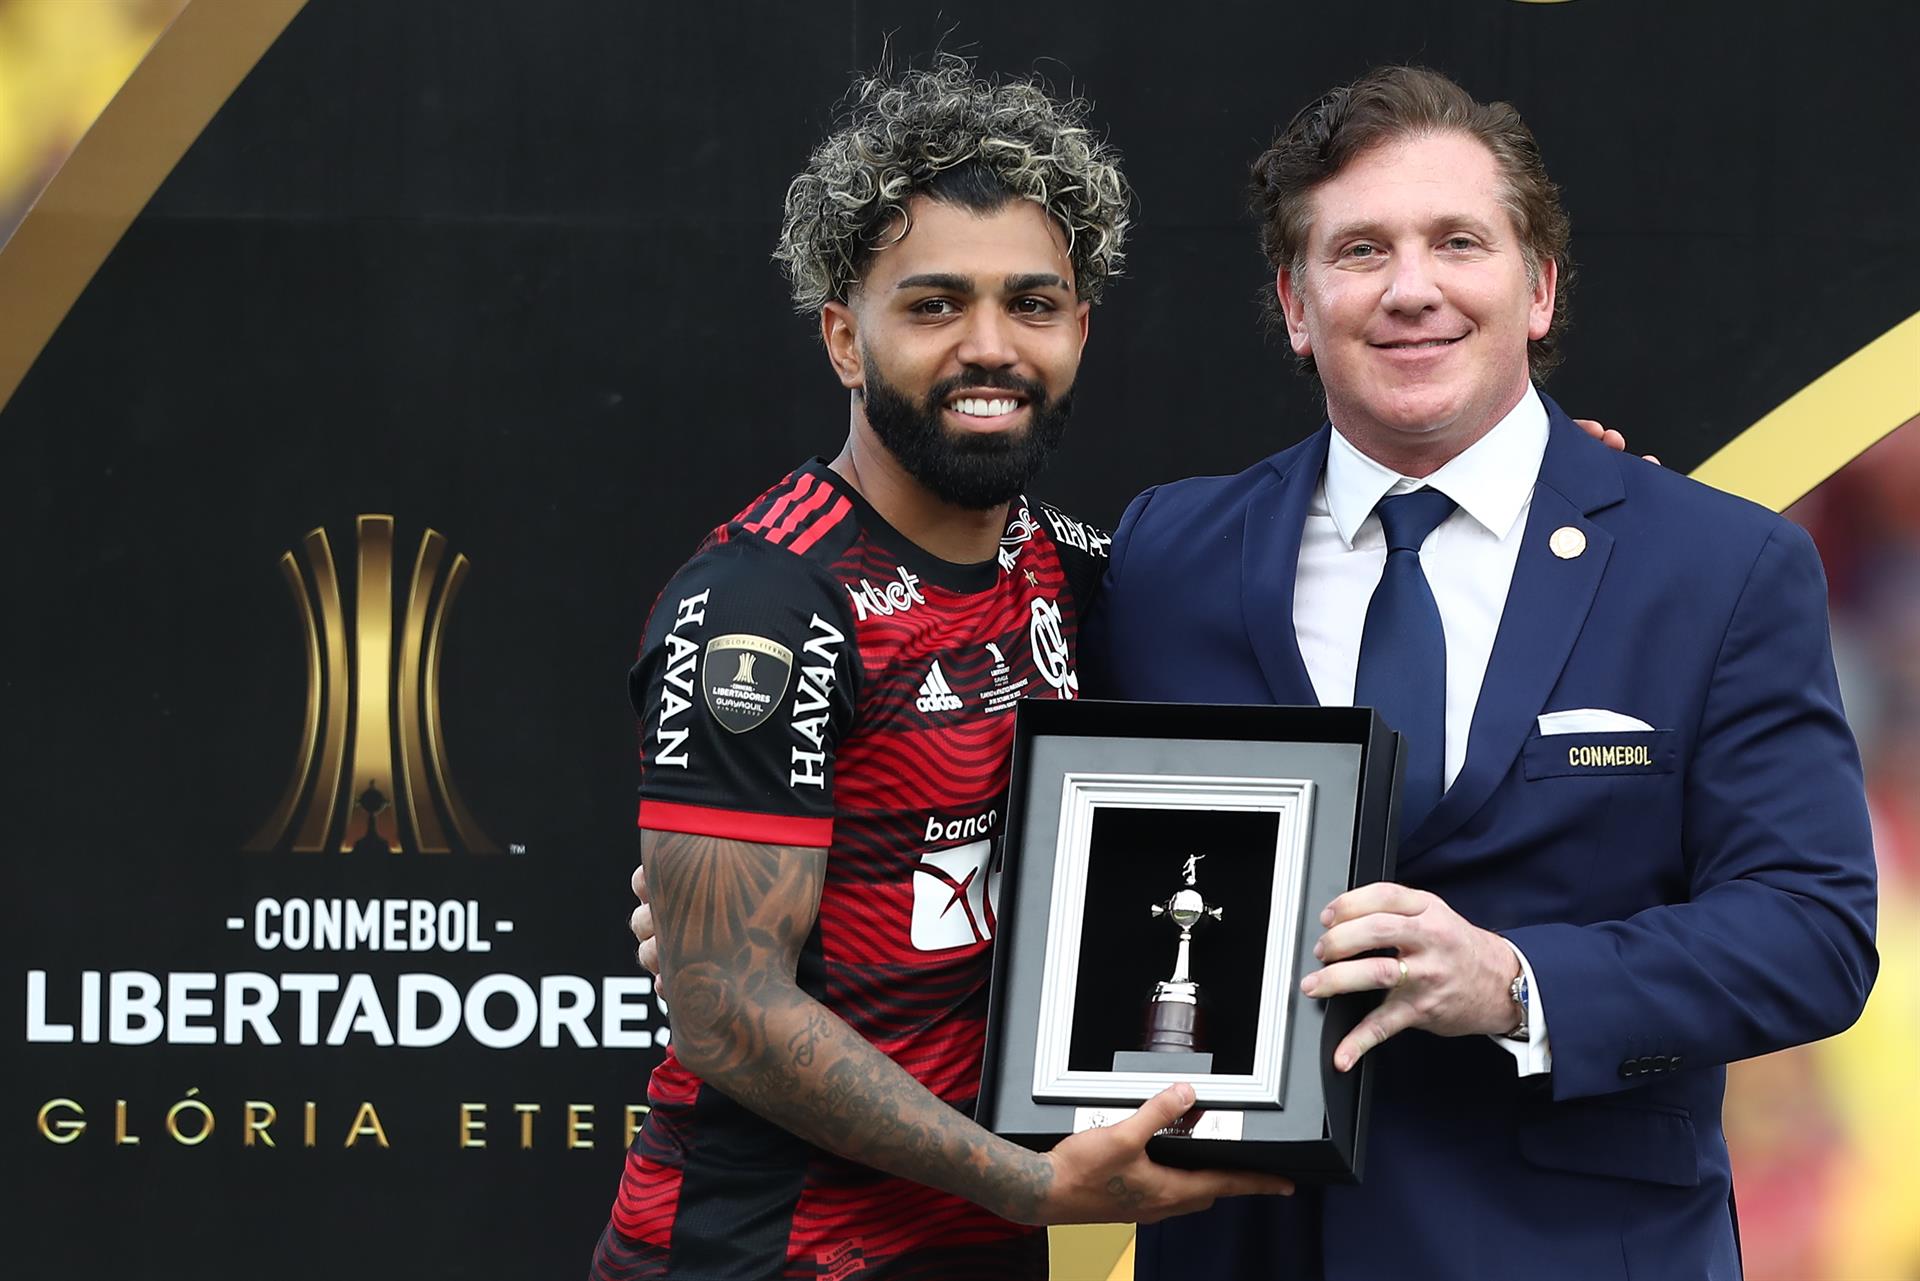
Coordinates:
975	472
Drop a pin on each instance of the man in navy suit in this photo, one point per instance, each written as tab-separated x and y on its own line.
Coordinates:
1634	841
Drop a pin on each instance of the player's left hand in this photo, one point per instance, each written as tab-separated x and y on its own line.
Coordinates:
1449	976
1607	436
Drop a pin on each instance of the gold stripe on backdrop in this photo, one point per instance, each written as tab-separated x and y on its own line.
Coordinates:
1824	426
191	70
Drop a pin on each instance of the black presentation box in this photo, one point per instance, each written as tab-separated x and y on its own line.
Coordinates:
1164	867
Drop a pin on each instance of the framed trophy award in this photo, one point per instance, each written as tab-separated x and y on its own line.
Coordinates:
1163	870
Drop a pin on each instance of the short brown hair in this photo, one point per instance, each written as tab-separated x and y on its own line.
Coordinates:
1387	104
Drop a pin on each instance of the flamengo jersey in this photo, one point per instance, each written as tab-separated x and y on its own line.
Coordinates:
812	678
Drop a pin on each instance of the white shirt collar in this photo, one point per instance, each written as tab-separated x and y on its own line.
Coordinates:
1491	479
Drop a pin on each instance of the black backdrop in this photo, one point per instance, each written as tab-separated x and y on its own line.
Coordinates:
501	270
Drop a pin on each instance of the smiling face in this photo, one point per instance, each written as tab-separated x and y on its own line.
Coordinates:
1414	300
962	343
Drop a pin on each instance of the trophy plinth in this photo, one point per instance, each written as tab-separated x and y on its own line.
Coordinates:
1174	1021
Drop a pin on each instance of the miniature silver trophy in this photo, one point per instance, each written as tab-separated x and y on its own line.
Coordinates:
1174	1023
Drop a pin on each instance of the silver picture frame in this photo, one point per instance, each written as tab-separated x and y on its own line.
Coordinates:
1083	796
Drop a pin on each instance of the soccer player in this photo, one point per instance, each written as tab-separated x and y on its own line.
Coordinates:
826	693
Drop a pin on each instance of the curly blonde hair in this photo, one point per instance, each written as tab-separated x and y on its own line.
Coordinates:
944	133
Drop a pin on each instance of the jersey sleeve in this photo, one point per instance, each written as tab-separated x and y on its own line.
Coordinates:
744	685
1083	553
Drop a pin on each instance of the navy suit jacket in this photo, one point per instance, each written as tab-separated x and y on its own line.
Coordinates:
1709	899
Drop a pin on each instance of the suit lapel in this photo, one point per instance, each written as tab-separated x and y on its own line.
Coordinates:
1270	558
1547	604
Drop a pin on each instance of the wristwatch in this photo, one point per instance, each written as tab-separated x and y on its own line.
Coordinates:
1523	1030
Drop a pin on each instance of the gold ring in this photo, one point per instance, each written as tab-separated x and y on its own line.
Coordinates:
1403	972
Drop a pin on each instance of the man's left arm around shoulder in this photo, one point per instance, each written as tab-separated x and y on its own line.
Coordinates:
1773	944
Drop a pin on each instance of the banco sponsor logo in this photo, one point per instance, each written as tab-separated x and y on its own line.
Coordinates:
954	896
940	828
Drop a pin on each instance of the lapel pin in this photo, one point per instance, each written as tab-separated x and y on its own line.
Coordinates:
1567	542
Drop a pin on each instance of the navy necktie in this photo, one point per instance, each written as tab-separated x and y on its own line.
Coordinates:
1403	651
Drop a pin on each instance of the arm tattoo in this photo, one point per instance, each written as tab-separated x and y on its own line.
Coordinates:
732	918
803	1043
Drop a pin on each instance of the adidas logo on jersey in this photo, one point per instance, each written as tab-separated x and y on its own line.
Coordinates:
935	694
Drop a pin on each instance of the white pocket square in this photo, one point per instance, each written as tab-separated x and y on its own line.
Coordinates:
1590	720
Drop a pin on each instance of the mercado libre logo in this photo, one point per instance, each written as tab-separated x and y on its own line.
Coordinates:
370	773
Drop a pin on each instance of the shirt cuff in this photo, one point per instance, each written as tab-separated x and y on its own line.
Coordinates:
736	825
1533	1056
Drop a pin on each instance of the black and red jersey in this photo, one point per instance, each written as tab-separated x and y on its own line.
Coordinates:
811	677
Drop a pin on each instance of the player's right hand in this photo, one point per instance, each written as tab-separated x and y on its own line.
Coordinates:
641	923
1105	1176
